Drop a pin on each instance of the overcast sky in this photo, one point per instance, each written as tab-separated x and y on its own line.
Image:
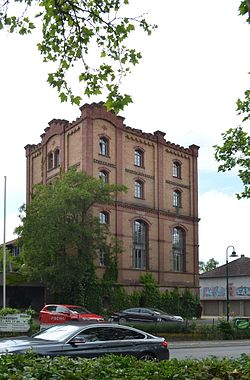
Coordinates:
193	70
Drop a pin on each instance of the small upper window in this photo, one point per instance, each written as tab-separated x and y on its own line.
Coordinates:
56	158
138	189
50	161
176	169
103	146
177	198
104	217
104	176
138	158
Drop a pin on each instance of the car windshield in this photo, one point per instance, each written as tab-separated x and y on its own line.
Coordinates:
79	309
57	333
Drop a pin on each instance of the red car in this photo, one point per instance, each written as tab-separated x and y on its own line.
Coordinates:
54	314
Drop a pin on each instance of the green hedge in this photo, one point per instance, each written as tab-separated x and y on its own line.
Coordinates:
19	367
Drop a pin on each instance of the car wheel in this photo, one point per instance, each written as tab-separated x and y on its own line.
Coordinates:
122	320
147	356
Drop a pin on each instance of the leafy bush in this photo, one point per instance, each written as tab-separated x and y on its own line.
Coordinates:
8	310
28	366
226	330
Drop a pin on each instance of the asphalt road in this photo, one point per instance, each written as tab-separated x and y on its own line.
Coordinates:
202	349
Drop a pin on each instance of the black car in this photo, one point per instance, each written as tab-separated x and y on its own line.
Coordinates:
142	314
89	341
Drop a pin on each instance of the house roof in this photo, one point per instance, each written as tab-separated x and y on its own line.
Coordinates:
238	267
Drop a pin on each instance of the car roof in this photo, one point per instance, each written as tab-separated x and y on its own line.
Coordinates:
61	304
101	324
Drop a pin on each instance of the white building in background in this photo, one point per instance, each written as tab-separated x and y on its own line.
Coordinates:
213	289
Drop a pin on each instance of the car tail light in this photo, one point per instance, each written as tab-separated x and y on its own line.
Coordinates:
164	344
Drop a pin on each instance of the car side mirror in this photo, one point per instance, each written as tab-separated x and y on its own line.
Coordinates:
78	340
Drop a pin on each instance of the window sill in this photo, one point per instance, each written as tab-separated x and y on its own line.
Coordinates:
104	155
139	166
55	167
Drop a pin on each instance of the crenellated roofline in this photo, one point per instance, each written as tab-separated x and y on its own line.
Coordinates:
98	111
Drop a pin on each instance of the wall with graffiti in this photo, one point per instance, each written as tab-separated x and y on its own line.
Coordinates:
239	287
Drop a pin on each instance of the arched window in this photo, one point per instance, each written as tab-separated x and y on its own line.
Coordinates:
103	146
104	217
176	169
50	161
138	189
177	198
178	248
140	244
104	176
56	158
138	158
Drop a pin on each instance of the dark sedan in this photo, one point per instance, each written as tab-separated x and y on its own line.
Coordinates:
89	341
143	314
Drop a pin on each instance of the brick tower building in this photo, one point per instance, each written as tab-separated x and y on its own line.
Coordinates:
157	219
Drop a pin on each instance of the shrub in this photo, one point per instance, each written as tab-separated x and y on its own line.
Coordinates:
225	329
8	310
29	366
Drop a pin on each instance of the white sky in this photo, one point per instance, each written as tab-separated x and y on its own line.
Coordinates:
193	70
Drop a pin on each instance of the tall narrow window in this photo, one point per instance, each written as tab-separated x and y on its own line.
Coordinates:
104	217
176	169
104	176
140	244
138	189
56	158
177	198
102	257
138	158
178	248
50	161
103	146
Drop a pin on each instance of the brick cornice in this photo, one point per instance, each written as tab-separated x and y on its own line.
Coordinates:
177	184
150	210
139	173
100	162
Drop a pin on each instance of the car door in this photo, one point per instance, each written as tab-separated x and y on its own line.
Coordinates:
98	341
133	315
59	315
147	315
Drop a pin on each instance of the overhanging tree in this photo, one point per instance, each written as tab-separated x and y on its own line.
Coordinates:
88	34
207	266
235	150
60	236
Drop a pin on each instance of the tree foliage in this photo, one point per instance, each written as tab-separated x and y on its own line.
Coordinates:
89	34
207	266
60	236
13	263
235	150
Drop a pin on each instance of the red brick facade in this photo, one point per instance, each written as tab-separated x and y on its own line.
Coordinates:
161	205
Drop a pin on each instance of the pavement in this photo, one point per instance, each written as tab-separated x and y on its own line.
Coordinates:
208	343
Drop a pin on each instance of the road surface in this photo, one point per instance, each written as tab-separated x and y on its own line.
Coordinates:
203	349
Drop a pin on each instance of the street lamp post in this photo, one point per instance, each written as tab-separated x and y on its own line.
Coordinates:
233	254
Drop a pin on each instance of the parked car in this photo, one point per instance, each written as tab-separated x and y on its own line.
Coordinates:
89	341
142	314
54	314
